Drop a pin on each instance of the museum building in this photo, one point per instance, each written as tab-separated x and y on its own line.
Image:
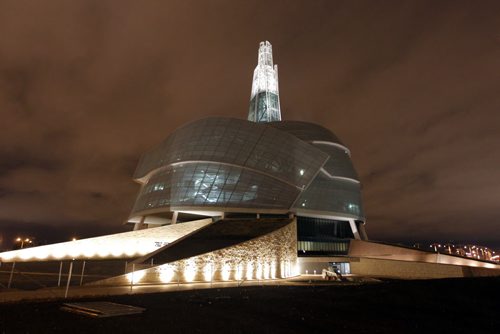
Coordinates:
231	199
262	167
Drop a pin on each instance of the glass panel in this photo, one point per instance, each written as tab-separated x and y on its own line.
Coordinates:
336	196
215	185
256	146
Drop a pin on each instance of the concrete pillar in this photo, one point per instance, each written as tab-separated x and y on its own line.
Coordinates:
362	232
141	225
69	279
83	271
174	217
354	229
132	277
60	273
11	274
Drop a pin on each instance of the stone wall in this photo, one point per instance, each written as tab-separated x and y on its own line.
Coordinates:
271	256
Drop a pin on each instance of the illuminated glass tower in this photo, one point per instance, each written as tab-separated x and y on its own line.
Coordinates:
265	100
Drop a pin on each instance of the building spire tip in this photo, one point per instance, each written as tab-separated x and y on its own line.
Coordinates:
264	100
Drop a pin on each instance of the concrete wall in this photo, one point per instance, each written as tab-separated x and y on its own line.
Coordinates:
403	269
381	260
415	270
388	268
367	249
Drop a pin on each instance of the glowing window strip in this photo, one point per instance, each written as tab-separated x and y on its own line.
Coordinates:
333	177
329	143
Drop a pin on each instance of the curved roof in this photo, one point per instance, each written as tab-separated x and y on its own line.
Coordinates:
340	163
331	196
307	131
213	185
253	146
235	165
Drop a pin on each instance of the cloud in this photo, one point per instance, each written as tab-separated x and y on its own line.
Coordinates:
411	87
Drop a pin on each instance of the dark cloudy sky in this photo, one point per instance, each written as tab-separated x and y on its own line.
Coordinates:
412	88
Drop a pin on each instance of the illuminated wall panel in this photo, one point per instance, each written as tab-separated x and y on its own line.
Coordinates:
120	245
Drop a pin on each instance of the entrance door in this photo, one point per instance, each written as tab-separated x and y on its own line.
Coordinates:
342	267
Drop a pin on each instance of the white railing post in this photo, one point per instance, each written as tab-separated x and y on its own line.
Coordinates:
11	274
83	271
60	273
69	279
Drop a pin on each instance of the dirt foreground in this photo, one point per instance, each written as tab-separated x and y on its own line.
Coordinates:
431	306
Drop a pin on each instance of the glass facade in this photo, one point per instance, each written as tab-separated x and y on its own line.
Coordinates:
264	107
340	163
320	229
242	166
241	143
213	185
332	195
323	236
314	248
264	98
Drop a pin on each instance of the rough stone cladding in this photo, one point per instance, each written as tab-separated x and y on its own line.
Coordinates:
273	255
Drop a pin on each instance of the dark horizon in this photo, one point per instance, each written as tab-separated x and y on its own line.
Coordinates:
411	87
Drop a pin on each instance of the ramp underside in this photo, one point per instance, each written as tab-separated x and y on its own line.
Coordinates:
221	234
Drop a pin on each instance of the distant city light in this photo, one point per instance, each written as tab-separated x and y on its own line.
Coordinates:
470	251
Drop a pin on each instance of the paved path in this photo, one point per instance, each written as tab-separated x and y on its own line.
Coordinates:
96	291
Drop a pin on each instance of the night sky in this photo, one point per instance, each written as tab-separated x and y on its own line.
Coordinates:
411	87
